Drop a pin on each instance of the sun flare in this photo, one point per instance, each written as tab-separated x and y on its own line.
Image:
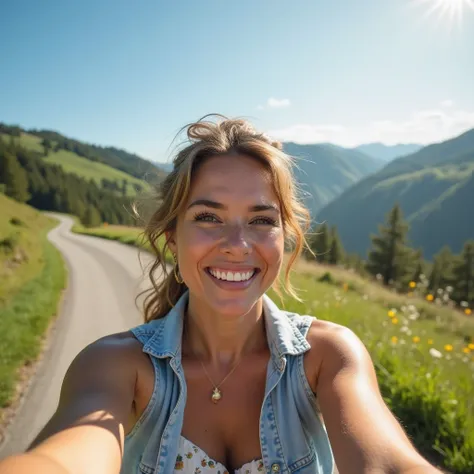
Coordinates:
451	11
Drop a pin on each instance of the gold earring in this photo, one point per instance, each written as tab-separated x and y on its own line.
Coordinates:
176	272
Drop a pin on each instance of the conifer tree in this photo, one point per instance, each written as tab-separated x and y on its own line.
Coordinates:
14	178
441	273
91	217
321	243
336	252
464	275
390	256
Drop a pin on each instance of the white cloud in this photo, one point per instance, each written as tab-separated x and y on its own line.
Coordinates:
423	126
278	103
447	103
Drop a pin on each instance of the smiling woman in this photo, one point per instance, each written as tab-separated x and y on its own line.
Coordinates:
218	378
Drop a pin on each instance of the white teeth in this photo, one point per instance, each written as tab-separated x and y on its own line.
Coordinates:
232	276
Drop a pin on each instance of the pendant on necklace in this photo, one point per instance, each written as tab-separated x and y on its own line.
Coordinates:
216	395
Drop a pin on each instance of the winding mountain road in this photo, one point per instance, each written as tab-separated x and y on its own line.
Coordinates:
104	278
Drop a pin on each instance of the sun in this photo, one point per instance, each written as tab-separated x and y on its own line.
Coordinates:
451	11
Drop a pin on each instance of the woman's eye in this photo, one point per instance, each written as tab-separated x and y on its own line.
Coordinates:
264	221
205	217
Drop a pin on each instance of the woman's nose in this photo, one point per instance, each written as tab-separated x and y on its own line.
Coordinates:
237	240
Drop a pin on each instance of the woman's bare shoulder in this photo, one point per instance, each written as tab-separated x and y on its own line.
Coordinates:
330	343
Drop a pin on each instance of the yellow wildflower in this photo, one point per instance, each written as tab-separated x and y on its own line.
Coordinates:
394	320
394	339
429	297
466	350
391	313
412	284
430	341
467	311
345	286
416	339
448	347
471	346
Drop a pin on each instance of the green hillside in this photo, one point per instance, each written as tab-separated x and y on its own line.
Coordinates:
434	187
71	162
324	171
32	275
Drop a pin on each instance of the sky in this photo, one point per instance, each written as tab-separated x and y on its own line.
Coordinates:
132	74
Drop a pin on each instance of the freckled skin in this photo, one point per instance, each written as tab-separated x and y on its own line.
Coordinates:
233	235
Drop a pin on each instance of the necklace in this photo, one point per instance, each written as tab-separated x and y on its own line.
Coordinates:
216	392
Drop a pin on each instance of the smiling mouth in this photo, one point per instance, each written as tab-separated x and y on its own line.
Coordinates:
232	276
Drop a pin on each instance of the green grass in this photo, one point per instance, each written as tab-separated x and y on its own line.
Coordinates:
32	278
430	396
82	167
72	163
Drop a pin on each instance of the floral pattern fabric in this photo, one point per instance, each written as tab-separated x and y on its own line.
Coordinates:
193	460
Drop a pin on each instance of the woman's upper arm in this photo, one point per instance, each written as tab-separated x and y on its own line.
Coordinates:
364	434
86	433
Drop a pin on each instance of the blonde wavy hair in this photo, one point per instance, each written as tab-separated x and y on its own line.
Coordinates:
205	139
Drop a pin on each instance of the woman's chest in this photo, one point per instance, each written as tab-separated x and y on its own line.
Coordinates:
228	431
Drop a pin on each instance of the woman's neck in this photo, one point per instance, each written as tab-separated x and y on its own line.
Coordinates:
222	339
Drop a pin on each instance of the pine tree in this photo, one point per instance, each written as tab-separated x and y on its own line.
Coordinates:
419	264
441	274
14	178
92	217
336	252
390	256
321	244
464	275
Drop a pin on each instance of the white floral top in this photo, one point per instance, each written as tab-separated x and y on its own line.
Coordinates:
193	460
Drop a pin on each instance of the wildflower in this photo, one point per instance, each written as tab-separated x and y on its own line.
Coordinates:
429	297
412	284
430	341
471	346
394	320
467	311
345	286
448	347
436	354
416	339
391	313
449	289
466	350
394	339
464	304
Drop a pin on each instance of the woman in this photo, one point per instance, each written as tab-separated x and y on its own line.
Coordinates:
219	379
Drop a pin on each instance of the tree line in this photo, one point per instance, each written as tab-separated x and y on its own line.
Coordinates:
395	264
26	178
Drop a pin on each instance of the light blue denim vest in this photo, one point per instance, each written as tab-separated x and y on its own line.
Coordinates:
292	435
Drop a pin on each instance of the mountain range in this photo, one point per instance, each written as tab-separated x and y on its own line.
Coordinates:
388	153
350	188
434	187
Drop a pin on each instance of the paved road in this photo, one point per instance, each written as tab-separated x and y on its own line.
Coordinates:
104	278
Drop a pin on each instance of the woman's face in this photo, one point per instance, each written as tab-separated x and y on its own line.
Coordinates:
229	241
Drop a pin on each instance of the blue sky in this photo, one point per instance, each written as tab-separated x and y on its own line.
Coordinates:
131	74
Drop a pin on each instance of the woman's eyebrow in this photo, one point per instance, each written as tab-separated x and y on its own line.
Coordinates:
218	205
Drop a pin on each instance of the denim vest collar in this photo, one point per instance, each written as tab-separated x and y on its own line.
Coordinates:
283	336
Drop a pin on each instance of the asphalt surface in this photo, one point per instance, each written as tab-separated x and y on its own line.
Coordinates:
104	278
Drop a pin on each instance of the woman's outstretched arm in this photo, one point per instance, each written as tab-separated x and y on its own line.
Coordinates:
86	433
364	434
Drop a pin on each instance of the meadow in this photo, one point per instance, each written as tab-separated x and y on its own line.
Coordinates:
421	346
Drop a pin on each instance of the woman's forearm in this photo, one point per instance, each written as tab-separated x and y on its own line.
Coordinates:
31	462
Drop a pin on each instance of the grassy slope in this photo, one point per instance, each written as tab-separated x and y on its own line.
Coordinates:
32	276
72	163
